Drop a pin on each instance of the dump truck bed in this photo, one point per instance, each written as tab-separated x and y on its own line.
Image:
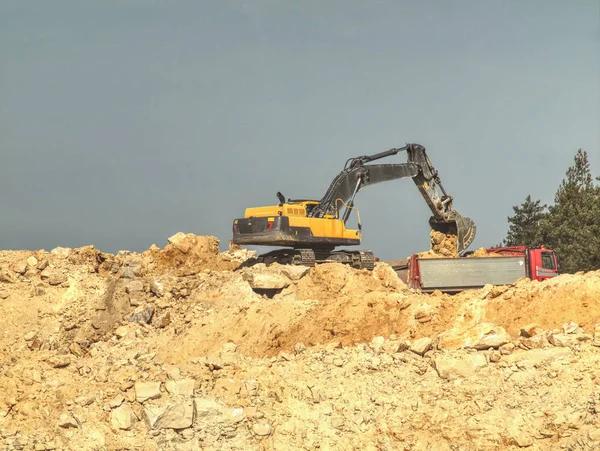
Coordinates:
455	274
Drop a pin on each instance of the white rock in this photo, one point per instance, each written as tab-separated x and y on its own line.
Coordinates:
570	327
421	346
61	251
147	390
32	261
184	387
121	331
268	281
181	242
174	373
235	415
377	343
176	416
491	337
206	407
451	368
67	421
295	272
261	429
122	418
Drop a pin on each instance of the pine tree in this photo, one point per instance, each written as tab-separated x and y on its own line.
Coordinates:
524	228
572	226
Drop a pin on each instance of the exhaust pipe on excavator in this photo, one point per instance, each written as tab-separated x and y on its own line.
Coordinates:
464	228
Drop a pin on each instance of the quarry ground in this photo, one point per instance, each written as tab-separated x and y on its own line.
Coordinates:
176	349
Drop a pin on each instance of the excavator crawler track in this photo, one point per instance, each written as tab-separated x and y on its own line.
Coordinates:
311	257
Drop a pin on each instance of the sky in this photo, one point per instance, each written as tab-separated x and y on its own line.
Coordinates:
124	122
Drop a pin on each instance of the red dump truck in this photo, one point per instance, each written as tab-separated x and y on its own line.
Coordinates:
457	274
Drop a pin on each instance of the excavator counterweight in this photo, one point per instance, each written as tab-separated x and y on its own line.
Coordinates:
313	229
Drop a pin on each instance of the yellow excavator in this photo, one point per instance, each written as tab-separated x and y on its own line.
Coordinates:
310	230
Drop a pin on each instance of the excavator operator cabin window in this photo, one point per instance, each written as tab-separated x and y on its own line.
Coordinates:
548	260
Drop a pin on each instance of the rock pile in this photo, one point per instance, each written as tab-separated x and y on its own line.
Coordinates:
175	349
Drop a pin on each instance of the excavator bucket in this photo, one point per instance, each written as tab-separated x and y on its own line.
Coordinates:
461	226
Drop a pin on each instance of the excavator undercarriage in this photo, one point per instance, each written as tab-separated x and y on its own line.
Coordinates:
311	230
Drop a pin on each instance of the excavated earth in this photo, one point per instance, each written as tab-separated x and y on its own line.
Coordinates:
180	349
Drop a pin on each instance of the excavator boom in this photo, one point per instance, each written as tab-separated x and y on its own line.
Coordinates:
356	175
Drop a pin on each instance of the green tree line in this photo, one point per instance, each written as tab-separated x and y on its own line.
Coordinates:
571	226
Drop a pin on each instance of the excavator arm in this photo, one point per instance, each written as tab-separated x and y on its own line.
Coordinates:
357	174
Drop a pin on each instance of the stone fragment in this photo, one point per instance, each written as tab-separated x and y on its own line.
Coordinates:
59	361
19	267
176	416
121	331
268	281
61	251
295	272
235	415
84	400
377	343
181	242
29	336
570	327
151	414
494	337
173	373
32	261
146	390
7	277
116	401
162	320
134	286
421	346
122	417
143	314
206	407
67	421
506	349
451	368
261	429
568	340
157	288
184	387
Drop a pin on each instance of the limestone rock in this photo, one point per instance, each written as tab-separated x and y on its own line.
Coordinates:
451	368
421	346
206	407
176	416
268	280
146	390
67	421
184	387
181	242
122	417
63	252
134	286
59	361
295	272
262	429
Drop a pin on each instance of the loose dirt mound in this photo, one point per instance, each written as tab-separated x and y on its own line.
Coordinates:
171	349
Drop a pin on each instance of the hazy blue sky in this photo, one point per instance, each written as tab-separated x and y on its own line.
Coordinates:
123	122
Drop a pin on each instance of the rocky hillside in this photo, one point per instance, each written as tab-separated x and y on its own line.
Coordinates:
179	349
